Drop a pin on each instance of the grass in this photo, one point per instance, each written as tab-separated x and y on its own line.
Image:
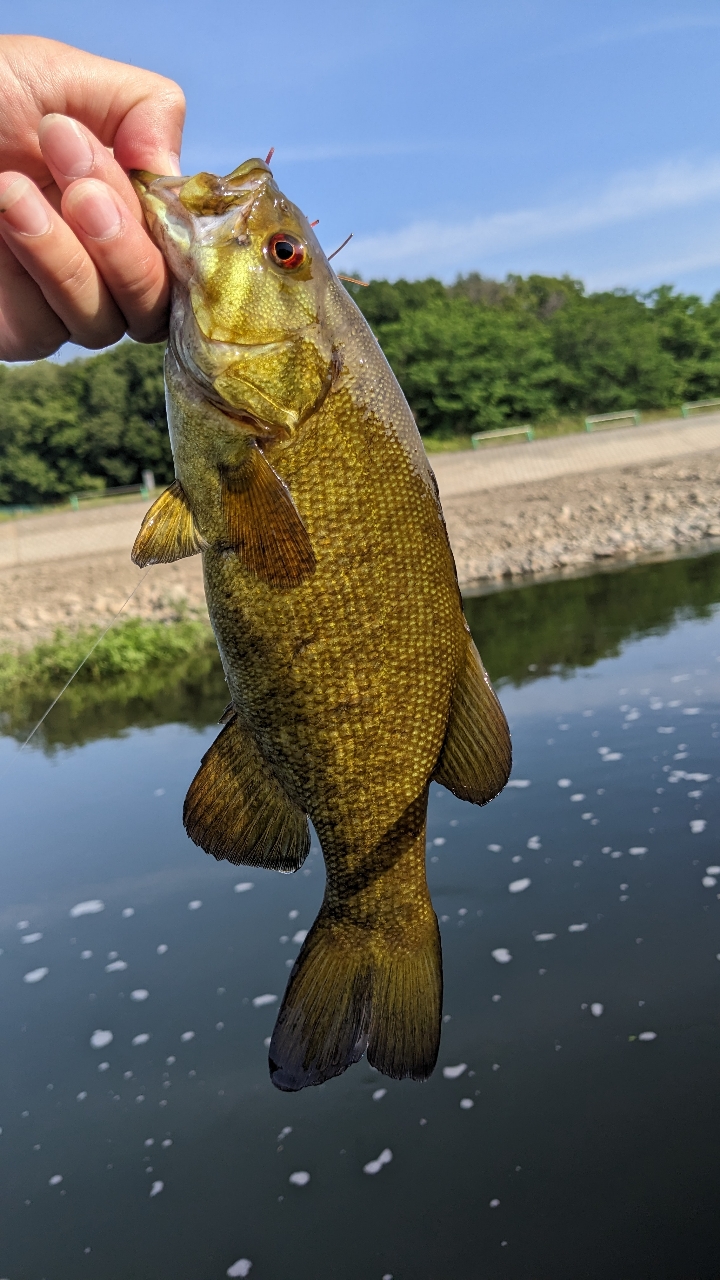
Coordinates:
141	668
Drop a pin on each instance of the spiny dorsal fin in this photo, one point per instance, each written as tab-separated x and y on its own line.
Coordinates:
237	809
168	530
476	756
263	525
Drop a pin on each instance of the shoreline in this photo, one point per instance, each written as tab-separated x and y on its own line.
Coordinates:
507	536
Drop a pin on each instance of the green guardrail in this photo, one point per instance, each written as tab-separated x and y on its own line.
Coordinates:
600	419
687	409
479	436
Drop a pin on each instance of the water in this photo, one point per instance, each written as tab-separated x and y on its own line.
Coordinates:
570	1129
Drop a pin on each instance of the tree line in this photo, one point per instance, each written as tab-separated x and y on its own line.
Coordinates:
472	356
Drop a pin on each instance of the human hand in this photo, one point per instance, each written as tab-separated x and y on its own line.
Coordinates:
76	262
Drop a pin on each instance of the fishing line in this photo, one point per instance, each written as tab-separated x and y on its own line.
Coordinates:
79	667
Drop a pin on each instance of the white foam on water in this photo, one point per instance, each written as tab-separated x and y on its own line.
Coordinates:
166	1142
374	1166
293	915
89	908
453	1073
544	937
597	1010
577	928
534	843
712	871
518	782
23	924
187	1035
36	975
564	782
691	711
162	948
267	1041
56	1178
100	1039
244	887
439	840
502	955
259	1001
578	796
616	853
127	912
613	755
156	1188
519	886
697	825
284	1133
665	728
82	1096
378	1094
494	1204
648	1035
103	1066
139	994
495	848
466	1104
637	849
300	936
141	1039
31	937
300	1178
709	882
239	1268
116	966
159	791
149	1142
86	955
195	904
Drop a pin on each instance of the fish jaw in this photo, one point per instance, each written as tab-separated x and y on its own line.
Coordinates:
249	332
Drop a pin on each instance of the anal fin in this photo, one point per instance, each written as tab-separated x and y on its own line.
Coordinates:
238	810
263	525
168	530
476	756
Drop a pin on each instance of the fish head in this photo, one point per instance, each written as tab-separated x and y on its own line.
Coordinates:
250	281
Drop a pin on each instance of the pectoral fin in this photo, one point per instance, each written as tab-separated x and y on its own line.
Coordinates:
237	809
476	756
168	530
263	525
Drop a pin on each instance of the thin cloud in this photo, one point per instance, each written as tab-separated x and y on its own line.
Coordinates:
316	153
627	197
640	31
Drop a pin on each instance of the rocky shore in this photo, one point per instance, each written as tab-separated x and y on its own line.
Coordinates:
577	522
569	524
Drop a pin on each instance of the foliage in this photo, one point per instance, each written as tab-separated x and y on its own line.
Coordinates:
84	425
140	673
474	355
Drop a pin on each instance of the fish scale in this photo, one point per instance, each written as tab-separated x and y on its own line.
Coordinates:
331	588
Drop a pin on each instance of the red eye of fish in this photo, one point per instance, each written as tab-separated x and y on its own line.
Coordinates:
286	250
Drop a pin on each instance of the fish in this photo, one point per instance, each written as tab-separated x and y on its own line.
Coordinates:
302	481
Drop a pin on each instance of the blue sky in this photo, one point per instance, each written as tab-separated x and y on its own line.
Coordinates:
453	135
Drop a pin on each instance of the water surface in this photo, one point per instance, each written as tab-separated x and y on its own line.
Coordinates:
570	1129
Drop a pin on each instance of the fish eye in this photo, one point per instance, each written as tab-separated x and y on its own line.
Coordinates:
286	250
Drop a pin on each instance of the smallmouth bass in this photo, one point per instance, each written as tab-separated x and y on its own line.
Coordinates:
302	480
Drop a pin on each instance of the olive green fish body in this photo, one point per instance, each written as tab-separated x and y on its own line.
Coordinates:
332	593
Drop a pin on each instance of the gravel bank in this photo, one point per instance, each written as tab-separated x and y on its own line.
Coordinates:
575	522
569	523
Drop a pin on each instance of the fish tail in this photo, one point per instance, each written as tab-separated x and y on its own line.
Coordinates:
367	980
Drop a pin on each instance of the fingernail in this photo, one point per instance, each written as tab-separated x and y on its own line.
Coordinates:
94	210
23	208
65	146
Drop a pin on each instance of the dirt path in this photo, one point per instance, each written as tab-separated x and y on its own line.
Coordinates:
553	505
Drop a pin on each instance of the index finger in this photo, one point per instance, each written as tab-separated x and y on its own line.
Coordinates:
138	113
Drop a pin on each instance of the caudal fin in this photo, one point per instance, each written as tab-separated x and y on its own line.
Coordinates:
354	989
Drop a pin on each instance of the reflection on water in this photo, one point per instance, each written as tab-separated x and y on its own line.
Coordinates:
570	1129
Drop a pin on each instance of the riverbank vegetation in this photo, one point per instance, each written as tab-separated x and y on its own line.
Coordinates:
473	356
147	673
